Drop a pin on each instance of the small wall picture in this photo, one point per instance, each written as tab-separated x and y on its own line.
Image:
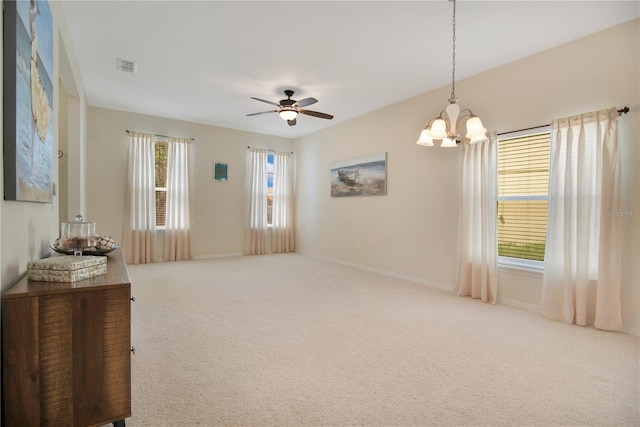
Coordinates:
220	172
363	176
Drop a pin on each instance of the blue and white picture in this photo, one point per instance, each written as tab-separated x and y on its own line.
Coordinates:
28	120
364	176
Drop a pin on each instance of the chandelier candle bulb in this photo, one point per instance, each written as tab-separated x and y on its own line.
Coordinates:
425	138
448	143
438	129
475	131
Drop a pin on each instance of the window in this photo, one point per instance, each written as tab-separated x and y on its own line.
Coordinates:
160	151
523	182
270	157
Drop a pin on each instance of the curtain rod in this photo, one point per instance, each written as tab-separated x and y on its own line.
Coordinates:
291	152
621	111
165	136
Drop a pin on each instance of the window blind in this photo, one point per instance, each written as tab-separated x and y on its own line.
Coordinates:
161	149
523	182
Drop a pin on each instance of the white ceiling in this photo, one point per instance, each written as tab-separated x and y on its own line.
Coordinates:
201	61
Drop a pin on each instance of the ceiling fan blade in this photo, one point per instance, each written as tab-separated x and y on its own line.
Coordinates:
305	102
291	122
316	114
262	112
264	100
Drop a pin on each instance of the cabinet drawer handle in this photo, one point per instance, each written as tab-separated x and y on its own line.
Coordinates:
133	350
133	299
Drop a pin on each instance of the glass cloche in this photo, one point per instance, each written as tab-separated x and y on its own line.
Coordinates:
77	235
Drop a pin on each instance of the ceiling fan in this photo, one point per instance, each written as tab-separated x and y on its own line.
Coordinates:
290	108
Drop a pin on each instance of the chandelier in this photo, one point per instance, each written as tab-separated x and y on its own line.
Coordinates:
446	126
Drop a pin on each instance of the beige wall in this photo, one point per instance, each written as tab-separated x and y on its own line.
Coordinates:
411	232
216	207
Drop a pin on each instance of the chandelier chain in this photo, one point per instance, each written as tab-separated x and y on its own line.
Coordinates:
453	68
453	126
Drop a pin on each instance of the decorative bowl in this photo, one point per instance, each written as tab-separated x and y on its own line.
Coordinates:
86	251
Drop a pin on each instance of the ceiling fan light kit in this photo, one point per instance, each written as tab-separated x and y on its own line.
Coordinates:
289	108
287	114
447	126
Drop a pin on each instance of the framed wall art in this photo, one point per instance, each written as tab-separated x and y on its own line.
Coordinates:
220	172
28	101
363	176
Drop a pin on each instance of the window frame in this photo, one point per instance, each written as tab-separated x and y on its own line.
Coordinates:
164	141
270	166
513	262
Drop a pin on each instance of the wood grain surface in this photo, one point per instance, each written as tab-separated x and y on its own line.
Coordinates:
66	350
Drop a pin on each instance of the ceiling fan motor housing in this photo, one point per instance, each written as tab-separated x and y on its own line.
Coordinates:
288	102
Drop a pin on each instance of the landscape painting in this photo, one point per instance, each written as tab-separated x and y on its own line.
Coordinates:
364	176
28	101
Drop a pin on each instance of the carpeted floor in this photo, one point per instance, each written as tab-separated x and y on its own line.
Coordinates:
290	340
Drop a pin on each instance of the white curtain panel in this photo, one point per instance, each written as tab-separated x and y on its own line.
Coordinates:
477	246
255	234
177	234
138	241
282	216
582	257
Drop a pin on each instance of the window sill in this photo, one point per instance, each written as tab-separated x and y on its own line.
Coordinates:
531	268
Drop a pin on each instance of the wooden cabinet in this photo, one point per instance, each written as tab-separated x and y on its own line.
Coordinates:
66	350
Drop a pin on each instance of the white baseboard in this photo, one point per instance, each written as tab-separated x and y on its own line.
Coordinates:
537	309
383	272
210	256
506	301
515	303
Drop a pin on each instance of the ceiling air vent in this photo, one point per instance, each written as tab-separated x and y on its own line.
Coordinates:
127	66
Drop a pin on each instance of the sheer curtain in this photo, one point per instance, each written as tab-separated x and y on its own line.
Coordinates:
177	234
477	246
138	240
255	234
283	236
582	258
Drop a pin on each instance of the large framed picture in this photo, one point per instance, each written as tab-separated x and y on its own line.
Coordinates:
28	101
363	176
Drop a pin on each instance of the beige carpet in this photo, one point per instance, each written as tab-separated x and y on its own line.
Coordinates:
289	340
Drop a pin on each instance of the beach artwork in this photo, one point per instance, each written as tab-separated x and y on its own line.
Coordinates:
363	176
28	101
